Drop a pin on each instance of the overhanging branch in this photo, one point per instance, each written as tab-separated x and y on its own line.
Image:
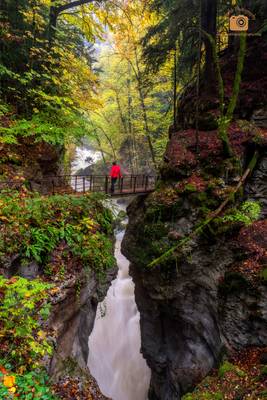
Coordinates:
72	4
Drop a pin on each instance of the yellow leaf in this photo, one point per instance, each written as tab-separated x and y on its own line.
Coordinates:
41	334
9	381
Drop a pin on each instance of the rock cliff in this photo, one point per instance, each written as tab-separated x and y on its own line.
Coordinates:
207	298
204	300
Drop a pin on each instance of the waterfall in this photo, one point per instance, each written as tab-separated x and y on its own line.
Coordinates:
115	342
84	156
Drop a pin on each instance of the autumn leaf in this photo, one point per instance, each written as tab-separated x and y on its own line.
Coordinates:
3	370
9	381
41	334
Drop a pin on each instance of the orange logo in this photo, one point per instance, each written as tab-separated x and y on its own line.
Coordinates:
239	23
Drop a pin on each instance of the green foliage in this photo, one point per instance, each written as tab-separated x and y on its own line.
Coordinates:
23	308
228	367
203	396
34	227
264	274
47	92
248	212
190	188
28	386
48	126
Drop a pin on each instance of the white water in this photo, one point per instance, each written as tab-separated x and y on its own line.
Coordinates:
81	156
114	345
115	342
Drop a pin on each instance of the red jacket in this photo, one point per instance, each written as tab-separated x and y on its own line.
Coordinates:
115	171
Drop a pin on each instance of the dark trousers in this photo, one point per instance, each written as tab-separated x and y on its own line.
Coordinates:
113	183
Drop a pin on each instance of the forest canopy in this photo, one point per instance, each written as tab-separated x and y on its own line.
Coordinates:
107	70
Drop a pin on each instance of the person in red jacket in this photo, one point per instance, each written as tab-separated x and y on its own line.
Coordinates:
115	173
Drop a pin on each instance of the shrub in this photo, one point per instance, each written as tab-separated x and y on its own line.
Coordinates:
32	228
22	310
28	386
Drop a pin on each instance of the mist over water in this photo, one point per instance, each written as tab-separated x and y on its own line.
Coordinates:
114	345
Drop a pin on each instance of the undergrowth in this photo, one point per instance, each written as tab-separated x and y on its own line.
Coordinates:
63	235
59	232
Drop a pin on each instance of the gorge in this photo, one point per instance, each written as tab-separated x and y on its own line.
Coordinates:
157	296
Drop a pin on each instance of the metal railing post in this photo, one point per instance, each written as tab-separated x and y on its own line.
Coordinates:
146	183
83	184
143	181
106	185
134	189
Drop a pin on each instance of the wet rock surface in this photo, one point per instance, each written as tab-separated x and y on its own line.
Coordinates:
72	319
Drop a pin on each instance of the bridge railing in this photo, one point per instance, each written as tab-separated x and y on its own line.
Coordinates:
128	184
100	183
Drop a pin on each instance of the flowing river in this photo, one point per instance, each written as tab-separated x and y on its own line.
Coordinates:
114	345
115	359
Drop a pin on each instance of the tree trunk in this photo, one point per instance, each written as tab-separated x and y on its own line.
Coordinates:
53	14
144	111
175	88
209	25
130	125
126	133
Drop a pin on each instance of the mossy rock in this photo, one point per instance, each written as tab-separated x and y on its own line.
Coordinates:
203	396
228	367
156	231
234	282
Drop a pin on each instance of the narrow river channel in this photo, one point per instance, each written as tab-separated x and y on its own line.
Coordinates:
115	359
114	345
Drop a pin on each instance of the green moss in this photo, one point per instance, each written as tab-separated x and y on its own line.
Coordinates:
228	367
264	371
190	188
203	396
70	366
263	274
156	231
202	197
